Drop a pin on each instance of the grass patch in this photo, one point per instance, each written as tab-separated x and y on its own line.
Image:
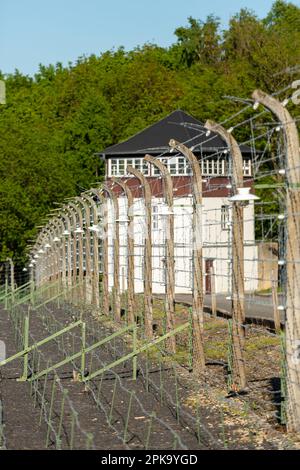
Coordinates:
261	342
215	325
216	350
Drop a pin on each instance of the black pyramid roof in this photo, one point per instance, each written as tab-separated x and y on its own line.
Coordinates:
177	125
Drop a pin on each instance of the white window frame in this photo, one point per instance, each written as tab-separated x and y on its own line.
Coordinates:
155	217
247	170
224	217
209	166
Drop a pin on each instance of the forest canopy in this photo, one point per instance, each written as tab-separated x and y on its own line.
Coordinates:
53	123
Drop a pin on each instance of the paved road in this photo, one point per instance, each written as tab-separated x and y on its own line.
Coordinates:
258	308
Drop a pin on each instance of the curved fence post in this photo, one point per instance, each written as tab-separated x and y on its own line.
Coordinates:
130	249
148	301
78	237
67	232
292	323
116	253
85	201
238	282
197	306
169	256
95	277
104	236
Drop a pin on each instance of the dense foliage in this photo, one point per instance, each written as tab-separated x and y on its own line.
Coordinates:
53	123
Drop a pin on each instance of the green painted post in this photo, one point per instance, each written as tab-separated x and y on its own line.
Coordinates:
283	383
161	385
152	416
225	443
90	367
32	293
72	431
43	394
26	344
37	382
134	359
50	409
89	441
190	341
83	340
128	416
198	420
112	402
177	397
6	293
147	370
62	409
99	388
230	356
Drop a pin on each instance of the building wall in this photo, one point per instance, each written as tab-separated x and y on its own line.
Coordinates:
267	264
216	243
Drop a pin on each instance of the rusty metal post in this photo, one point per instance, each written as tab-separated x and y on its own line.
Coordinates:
169	257
148	301
197	305
292	312
238	278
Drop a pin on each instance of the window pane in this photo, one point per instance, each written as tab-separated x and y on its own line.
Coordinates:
145	168
114	170
121	167
137	164
181	166
173	168
224	217
247	167
154	217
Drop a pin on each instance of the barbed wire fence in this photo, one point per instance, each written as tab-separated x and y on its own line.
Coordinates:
156	253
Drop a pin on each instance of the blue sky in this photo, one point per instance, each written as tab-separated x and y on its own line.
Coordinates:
50	31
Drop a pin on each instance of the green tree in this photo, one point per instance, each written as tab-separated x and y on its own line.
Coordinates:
200	41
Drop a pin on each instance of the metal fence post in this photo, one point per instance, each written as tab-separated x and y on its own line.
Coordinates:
148	300
83	344
130	250
170	260
292	324
25	346
238	282
197	305
134	360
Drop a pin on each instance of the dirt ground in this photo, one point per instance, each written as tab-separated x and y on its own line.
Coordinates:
165	408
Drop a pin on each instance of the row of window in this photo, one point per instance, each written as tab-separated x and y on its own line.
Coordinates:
178	166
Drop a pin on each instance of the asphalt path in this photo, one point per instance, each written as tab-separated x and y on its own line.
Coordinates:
258	308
